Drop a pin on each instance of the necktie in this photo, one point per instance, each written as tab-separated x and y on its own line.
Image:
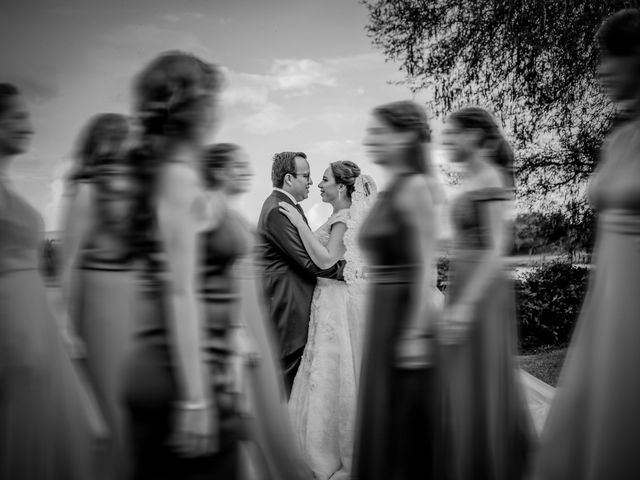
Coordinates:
299	208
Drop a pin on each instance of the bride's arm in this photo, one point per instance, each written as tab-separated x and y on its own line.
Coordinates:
323	257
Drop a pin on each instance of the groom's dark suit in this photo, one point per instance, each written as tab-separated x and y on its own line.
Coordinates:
288	279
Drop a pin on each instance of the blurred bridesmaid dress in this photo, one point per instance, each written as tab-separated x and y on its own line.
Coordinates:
229	290
488	426
593	427
102	285
45	424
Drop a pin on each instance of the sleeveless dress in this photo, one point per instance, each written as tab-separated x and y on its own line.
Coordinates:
593	427
273	450
487	422
104	300
398	415
323	398
151	386
44	432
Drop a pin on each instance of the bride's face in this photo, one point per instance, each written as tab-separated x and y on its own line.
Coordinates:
329	189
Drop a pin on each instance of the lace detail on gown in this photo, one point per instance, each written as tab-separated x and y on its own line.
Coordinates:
323	398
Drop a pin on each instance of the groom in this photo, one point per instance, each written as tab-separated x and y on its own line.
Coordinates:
288	273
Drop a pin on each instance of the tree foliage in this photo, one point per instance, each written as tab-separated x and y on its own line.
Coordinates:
531	62
549	300
569	231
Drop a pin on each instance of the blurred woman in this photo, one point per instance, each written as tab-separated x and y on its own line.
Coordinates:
487	424
178	385
44	433
97	273
593	426
229	292
397	434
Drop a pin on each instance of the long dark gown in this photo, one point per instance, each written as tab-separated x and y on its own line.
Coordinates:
104	293
397	433
593	428
151	384
487	424
44	430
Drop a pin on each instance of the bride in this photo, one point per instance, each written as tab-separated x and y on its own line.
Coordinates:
324	395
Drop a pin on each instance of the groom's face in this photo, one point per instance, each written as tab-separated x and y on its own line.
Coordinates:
301	180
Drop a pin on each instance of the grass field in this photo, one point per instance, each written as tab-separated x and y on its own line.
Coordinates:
545	365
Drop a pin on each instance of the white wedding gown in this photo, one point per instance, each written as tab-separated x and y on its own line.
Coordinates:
324	394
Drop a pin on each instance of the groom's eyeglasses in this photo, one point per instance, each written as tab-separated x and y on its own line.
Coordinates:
304	175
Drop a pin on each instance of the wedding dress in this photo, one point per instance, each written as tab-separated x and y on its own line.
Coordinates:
324	394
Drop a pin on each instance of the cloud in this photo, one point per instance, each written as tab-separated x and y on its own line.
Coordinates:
300	75
294	76
39	87
337	149
269	119
246	89
183	16
362	61
136	40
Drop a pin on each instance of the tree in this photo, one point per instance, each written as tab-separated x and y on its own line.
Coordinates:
529	232
580	230
531	62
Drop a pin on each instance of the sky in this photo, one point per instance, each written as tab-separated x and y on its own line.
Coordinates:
301	76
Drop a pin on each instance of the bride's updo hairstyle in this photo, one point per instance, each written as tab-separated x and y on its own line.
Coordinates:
408	116
479	119
345	173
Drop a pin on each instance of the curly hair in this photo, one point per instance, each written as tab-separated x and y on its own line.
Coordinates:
345	173
480	119
284	163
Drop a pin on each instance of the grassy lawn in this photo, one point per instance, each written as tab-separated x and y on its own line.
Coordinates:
545	365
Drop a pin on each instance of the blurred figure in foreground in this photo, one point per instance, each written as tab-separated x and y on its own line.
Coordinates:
397	434
44	432
229	287
178	385
98	280
593	428
487	424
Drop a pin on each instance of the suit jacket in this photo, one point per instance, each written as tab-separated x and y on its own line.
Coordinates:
288	275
